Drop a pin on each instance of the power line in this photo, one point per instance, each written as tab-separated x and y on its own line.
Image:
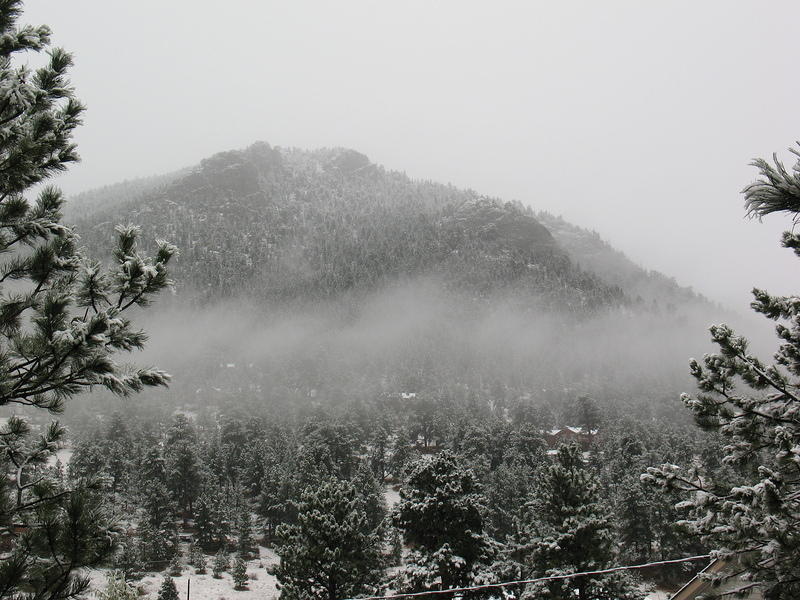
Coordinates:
538	579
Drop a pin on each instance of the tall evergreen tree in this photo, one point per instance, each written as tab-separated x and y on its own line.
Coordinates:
211	517
175	566
183	472
569	532
331	553
404	452
441	516
129	559
197	559
157	526
507	489
62	321
244	526
754	525
372	495
273	502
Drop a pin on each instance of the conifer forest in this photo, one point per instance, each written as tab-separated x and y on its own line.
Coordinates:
297	374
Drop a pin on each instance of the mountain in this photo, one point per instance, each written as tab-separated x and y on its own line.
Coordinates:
320	277
594	254
286	225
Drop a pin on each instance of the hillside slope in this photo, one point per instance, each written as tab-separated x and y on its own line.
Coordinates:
287	226
594	254
318	277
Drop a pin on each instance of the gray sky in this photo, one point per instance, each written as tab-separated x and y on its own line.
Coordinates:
636	119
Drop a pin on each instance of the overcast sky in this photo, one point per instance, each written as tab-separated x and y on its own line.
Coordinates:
636	119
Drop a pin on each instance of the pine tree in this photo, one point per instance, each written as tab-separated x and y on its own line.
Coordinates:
244	542
89	458
404	452
168	591
441	516
117	588
273	503
129	560
239	573
197	559
158	544
634	515
371	492
62	321
183	472
568	532
396	546
221	563
587	413
331	552
175	566
506	491
379	450
211	517
65	528
754	525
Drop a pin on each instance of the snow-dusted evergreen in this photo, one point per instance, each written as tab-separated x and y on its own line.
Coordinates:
440	514
168	590
332	552
62	320
753	522
117	588
239	573
567	529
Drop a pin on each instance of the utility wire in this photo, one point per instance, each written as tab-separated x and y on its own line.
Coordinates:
538	579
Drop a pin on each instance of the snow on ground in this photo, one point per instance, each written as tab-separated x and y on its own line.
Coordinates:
392	496
658	595
64	455
205	587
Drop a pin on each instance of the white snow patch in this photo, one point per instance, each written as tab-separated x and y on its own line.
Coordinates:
205	587
64	455
392	497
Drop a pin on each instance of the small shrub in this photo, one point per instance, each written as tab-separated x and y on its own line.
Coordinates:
175	567
239	573
221	563
168	591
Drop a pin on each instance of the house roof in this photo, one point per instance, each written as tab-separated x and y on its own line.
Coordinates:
698	585
568	429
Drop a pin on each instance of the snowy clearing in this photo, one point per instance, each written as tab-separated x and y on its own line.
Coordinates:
205	587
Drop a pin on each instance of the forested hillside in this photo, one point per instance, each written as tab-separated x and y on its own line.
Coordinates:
287	225
599	257
319	277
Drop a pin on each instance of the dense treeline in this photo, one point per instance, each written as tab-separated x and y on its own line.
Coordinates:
233	480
